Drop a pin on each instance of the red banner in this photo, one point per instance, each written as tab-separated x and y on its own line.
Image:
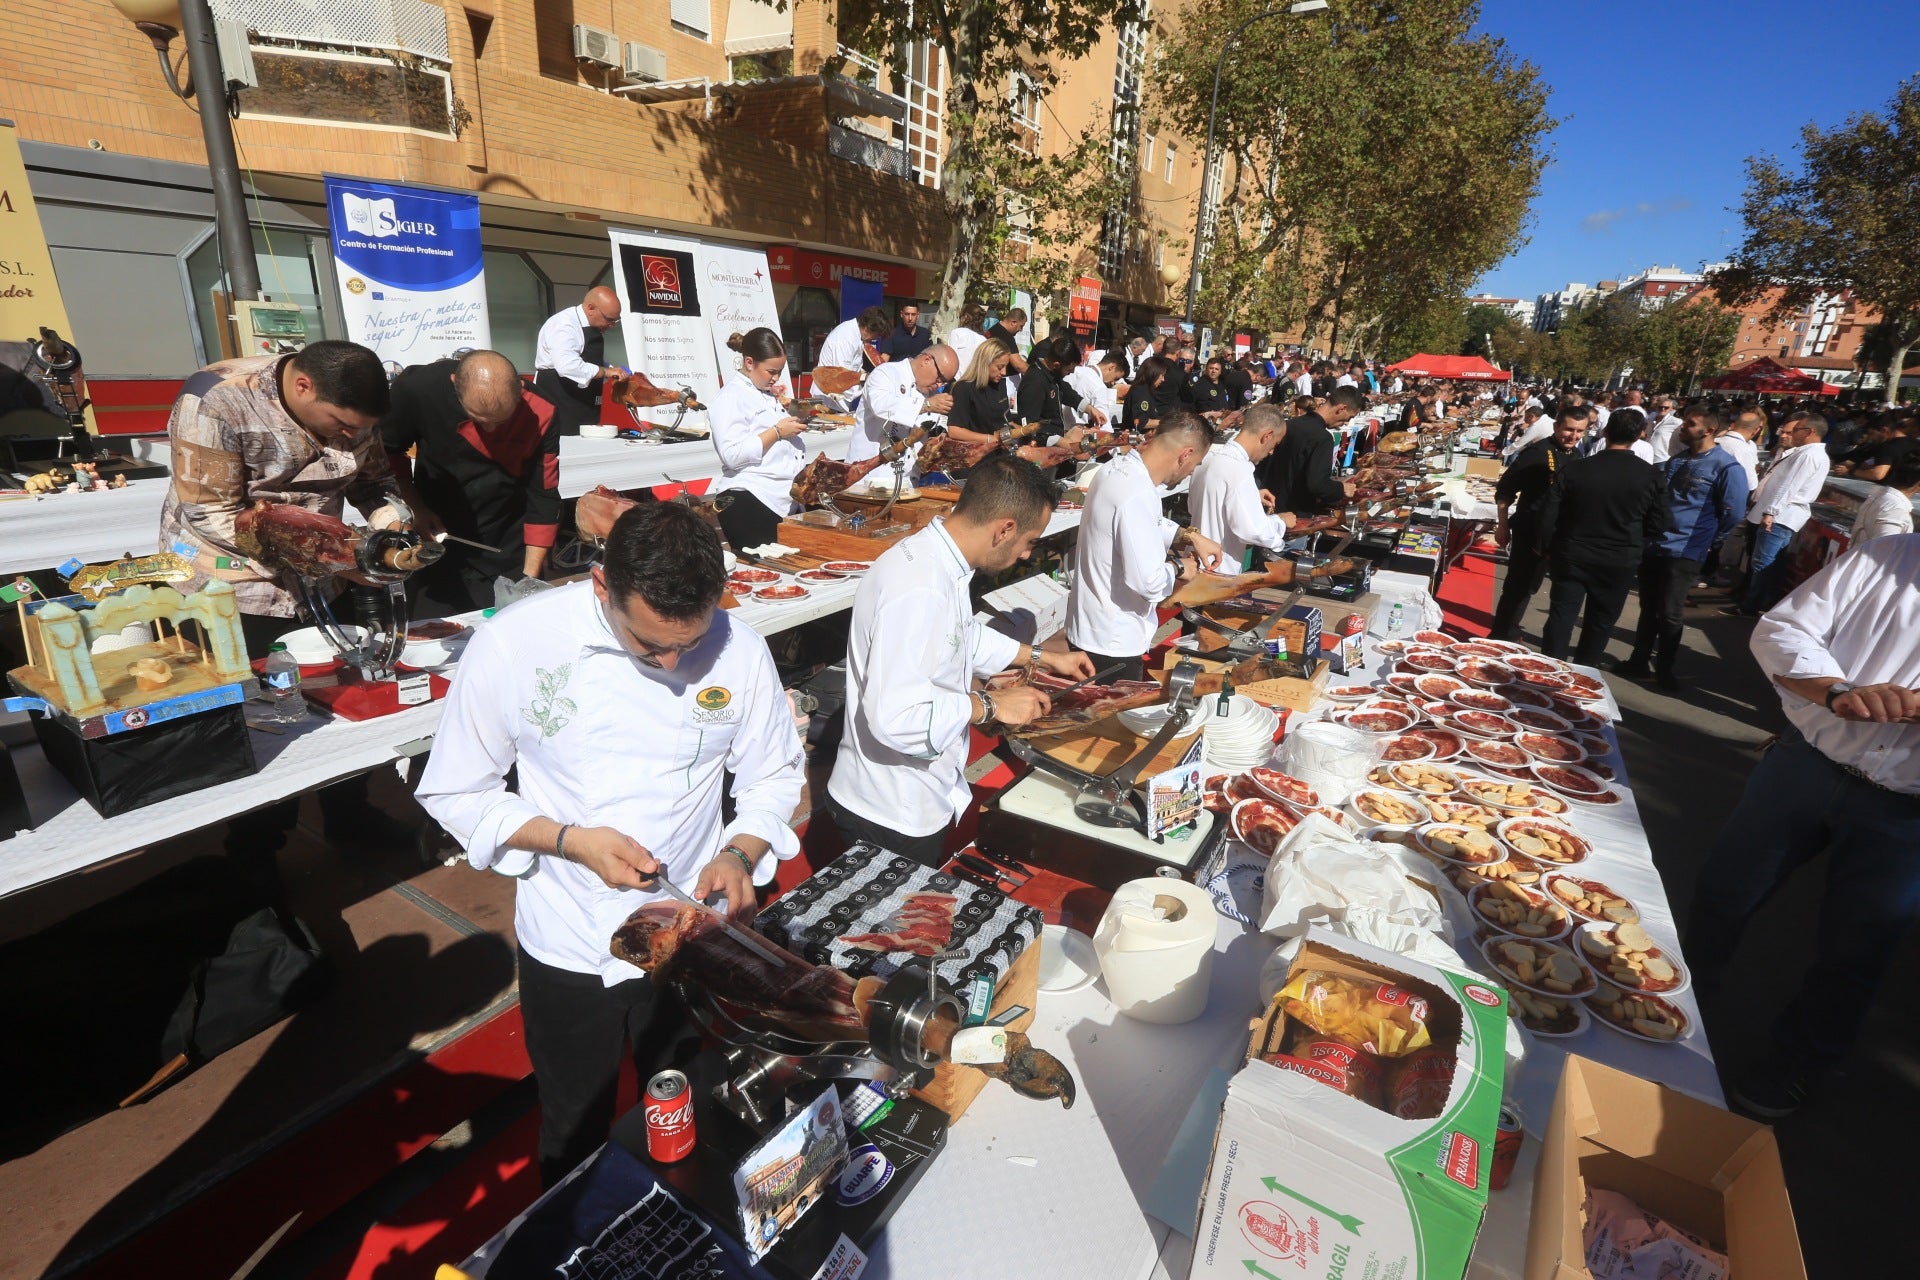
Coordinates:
1083	306
790	265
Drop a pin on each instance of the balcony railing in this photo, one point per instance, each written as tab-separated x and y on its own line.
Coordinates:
408	26
865	149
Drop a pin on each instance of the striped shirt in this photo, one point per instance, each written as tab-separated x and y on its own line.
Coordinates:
234	443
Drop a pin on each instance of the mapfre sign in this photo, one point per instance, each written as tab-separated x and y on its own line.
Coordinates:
787	264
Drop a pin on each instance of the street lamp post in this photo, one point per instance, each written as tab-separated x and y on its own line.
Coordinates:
160	21
1213	109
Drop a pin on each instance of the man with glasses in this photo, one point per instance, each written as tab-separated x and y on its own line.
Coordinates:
1781	507
484	466
900	395
587	741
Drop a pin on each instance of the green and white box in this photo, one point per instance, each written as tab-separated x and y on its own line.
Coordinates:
1307	1181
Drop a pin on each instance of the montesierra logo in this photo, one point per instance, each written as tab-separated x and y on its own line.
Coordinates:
662	279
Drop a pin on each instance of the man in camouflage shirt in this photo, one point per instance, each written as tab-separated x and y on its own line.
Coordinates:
295	429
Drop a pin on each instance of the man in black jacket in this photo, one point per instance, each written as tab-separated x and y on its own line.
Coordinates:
1596	523
1522	499
485	462
1299	472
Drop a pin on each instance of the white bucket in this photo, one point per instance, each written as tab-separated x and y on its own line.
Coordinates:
1155	946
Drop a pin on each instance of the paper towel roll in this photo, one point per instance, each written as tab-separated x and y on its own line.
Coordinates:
1155	946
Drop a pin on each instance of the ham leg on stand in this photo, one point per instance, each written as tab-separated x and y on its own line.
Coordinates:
824	477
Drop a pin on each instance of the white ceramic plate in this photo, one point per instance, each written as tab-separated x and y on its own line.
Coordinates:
1067	960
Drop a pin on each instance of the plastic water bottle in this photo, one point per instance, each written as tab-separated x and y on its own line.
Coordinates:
1396	620
281	680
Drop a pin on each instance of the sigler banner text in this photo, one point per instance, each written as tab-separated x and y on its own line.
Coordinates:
409	262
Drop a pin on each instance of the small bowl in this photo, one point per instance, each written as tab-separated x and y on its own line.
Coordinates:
1494	891
1584	889
1584	984
1438	687
1409	749
1480	700
1147	721
1378	796
1246	813
1581	1018
1607	996
1512	829
1551	748
1580	786
1603	930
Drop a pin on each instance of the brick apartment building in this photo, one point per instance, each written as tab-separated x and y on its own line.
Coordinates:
703	117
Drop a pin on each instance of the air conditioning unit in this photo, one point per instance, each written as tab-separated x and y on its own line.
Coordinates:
644	63
591	44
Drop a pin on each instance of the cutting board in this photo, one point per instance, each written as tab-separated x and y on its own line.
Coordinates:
832	544
918	513
1107	745
1208	587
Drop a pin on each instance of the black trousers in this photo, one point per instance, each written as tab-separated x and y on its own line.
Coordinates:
1602	586
1134	668
573	406
578	1029
1664	583
928	850
1526	570
748	522
462	579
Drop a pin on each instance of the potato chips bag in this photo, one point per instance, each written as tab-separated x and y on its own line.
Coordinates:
1378	1017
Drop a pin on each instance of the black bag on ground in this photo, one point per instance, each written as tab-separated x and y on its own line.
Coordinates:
271	969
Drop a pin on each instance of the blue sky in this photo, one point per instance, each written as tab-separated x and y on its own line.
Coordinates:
1667	100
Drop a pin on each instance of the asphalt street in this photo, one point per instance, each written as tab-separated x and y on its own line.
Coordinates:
1688	755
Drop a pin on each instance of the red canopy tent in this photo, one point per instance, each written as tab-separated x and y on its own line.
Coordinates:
1766	377
1465	368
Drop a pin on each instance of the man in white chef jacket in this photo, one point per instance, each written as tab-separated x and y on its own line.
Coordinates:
622	702
854	345
569	358
914	650
900	395
1228	504
1122	568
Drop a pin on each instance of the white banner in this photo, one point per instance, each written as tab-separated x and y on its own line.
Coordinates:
412	286
662	313
737	295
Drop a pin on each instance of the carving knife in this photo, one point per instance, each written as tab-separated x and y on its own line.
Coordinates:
739	935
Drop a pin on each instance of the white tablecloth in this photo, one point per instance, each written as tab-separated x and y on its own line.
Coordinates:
626	464
40	533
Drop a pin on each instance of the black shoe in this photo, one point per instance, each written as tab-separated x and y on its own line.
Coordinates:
369	828
1668	681
1772	1093
1735	611
1630	669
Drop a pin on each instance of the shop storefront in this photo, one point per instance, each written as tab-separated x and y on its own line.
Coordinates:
816	291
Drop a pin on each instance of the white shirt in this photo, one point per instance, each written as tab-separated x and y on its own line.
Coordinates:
1855	619
1745	452
913	649
1120	567
1661	438
1793	482
1345	380
1540	430
1885	511
561	340
602	739
1094	392
1303	384
1642	450
1225	501
965	342
1397	386
736	417
890	408
843	348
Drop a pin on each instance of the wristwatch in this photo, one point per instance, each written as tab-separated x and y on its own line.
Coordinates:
1835	690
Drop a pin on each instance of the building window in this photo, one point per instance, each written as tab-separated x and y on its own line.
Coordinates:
1128	64
290	264
1023	101
519	300
923	90
1146	153
693	18
1171	156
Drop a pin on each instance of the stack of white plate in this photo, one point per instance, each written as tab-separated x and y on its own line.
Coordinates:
1241	739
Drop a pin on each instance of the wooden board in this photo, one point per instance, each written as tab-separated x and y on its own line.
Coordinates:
832	544
955	1087
1106	745
918	513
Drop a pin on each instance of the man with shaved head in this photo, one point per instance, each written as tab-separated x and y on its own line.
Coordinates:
570	358
484	466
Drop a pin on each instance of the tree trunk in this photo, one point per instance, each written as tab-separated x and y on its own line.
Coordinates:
1897	367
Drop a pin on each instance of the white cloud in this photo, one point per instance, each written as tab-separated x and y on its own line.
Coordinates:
1602	220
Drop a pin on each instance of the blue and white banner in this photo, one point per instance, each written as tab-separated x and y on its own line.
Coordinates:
411	280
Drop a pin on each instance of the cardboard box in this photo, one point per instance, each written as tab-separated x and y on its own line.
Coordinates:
1290	692
1490	468
1703	1169
1308	1181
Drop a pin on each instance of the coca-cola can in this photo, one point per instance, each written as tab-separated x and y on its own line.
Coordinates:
669	1104
1507	1137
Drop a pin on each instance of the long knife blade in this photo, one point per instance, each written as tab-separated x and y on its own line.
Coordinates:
454	537
1112	669
738	934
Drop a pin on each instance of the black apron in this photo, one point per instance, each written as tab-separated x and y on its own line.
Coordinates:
575	405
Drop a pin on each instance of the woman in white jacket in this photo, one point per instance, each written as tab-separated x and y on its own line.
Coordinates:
758	441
